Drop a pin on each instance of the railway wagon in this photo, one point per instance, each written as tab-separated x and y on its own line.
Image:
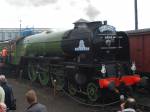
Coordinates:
92	59
140	49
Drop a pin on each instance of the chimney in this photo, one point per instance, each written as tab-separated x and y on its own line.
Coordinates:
105	22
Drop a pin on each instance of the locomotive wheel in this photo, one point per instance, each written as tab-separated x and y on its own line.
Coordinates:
32	73
43	76
92	92
72	90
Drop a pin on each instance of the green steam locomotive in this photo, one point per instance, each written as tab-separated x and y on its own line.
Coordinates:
88	59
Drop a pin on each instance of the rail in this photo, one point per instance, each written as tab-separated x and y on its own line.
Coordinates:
109	107
143	108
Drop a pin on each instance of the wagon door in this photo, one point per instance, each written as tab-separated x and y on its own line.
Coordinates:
146	50
136	51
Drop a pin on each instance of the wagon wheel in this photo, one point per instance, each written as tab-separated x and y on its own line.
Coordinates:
32	71
43	75
92	92
71	89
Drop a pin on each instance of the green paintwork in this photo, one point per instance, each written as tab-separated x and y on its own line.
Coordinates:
39	45
32	73
43	44
43	76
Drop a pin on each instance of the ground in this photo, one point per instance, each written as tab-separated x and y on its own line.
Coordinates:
54	103
58	103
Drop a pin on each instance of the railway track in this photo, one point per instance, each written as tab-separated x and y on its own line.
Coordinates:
143	100
110	107
143	108
103	107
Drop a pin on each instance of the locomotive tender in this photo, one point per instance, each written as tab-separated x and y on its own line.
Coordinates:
88	59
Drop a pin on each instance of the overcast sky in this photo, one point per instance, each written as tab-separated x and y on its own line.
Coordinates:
62	13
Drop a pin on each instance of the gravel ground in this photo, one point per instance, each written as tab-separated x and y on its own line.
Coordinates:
58	103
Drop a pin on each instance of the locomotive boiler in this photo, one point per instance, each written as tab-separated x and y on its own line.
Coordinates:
88	59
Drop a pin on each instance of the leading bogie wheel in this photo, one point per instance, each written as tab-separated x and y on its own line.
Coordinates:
72	89
92	92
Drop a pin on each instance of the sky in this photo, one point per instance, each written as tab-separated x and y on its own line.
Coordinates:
63	13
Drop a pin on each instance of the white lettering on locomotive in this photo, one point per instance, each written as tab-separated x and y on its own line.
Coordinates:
110	37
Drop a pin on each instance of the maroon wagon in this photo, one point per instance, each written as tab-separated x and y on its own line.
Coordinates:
140	49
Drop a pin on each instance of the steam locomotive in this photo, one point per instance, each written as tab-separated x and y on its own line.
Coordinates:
88	59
